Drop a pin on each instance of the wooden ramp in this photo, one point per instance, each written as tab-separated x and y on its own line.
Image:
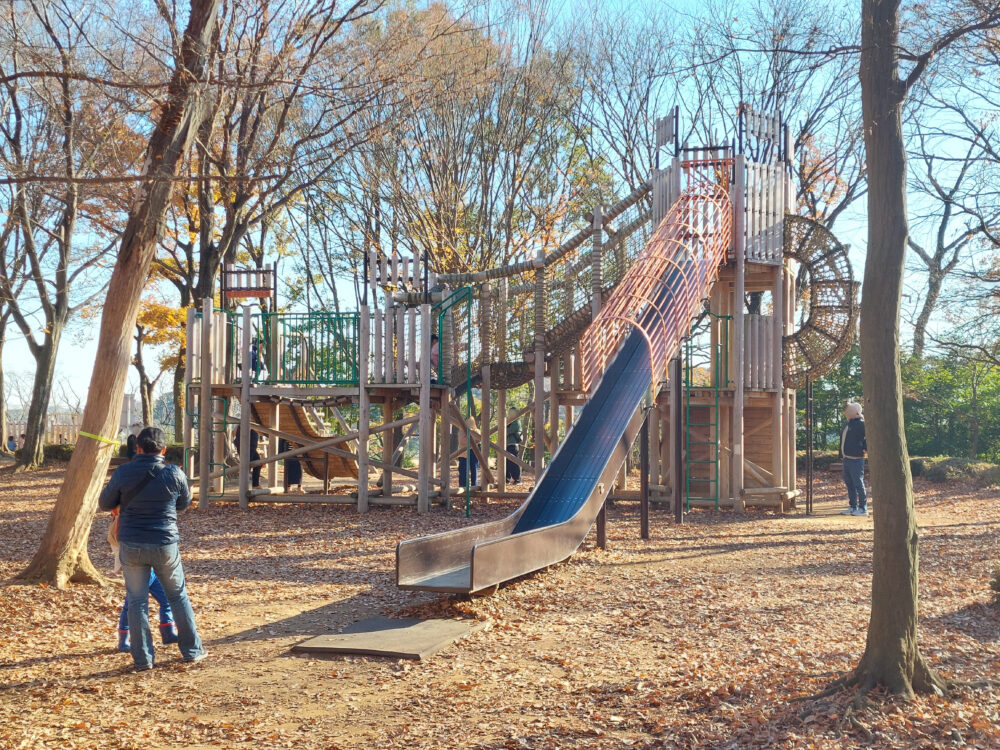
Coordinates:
293	420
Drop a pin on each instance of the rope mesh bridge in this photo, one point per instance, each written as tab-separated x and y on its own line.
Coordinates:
663	289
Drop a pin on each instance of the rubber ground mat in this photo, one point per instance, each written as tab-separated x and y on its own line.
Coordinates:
398	639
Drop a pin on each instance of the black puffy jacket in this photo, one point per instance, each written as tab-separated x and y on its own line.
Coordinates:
852	439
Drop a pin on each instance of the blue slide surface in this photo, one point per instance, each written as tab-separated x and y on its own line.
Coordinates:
557	515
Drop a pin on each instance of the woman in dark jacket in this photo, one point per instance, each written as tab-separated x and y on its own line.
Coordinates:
853	448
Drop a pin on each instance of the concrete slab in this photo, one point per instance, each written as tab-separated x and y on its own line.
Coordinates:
397	639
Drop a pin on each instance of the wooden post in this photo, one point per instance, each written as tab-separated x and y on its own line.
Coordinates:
444	449
644	477
502	439
272	447
553	408
188	433
597	271
425	471
364	346
389	321
205	405
484	427
602	526
677	439
739	240
377	351
486	417
538	427
244	496
388	446
411	347
400	345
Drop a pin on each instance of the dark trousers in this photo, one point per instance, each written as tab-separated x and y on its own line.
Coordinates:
854	478
473	464
513	470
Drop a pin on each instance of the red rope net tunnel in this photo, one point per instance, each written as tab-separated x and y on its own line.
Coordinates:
663	289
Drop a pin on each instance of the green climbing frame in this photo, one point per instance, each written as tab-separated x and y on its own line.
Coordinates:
702	434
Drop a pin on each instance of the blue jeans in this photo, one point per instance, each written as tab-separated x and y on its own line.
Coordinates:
156	589
165	560
473	469
854	478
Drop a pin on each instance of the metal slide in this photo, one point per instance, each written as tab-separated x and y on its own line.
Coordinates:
555	518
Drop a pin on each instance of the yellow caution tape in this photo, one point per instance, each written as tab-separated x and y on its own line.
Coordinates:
98	438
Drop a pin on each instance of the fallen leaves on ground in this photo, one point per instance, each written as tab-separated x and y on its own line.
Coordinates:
696	638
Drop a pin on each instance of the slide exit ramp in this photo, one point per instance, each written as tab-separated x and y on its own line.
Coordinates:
625	349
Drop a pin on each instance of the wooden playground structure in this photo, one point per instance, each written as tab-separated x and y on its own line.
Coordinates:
349	391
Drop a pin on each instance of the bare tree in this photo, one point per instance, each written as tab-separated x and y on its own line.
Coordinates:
62	554
627	72
292	87
961	211
773	58
482	164
55	126
892	655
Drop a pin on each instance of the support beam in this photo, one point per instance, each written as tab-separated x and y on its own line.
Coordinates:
502	439
205	408
644	477
444	450
244	491
739	250
426	415
676	428
364	338
484	424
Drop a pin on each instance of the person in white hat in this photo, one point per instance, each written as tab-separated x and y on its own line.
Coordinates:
853	449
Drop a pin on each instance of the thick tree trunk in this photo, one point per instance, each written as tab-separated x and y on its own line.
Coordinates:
892	657
33	453
62	554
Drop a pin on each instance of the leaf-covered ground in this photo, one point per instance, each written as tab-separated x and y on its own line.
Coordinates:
696	638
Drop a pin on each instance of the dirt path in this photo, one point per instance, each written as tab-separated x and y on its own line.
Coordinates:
696	638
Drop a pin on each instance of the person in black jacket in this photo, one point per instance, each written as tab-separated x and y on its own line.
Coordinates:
853	449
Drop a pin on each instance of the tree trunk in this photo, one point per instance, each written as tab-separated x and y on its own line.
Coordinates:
33	453
145	387
892	657
3	393
62	554
934	282
974	426
180	397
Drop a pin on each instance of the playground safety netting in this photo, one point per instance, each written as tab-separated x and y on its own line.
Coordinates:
524	302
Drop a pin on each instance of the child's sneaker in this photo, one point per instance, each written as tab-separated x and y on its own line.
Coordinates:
123	642
859	512
847	512
168	633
